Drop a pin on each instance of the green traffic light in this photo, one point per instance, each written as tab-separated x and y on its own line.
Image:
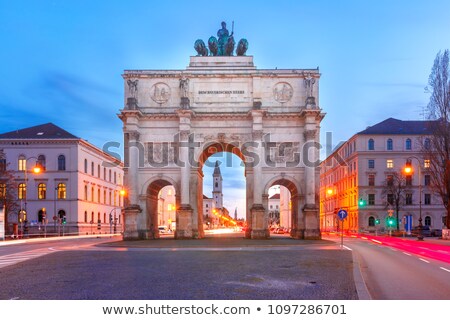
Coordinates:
377	221
362	203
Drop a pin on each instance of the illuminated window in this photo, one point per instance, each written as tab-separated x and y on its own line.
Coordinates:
42	190
169	193
22	191
170	207
85	193
426	163
61	190
389	164
2	190
41	162
22	164
98	195
92	194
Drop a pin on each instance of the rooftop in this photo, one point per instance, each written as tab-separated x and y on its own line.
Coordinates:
43	131
395	126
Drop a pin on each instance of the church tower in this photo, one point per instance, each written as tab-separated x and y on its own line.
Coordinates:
217	187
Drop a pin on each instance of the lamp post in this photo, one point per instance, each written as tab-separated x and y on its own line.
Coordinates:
23	211
408	171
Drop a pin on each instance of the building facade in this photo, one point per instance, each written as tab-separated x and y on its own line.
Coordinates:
356	176
174	120
78	188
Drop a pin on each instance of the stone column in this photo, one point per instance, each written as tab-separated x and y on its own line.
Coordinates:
184	213
132	210
310	210
298	222
259	220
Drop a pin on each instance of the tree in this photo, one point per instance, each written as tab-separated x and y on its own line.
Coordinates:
8	187
437	147
394	190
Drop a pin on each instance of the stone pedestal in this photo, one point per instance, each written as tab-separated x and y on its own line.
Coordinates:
259	223
312	228
130	222
298	234
132	104
184	223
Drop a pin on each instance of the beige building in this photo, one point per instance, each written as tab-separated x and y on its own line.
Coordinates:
174	120
354	176
78	184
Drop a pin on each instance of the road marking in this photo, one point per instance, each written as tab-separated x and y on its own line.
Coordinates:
424	260
376	241
445	269
393	249
347	248
21	256
406	253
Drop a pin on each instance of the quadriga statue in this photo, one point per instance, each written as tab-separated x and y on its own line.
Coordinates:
200	47
242	47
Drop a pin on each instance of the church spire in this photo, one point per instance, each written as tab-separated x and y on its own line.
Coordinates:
217	169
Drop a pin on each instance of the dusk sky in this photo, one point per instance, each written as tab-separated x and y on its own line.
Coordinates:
62	61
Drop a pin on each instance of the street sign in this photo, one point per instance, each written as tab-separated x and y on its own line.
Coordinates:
342	214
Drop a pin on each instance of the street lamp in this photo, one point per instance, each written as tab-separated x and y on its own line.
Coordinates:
408	171
36	169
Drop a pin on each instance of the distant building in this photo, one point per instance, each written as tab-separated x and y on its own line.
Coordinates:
78	187
167	207
359	168
279	207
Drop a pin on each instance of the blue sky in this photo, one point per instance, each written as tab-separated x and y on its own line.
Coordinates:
61	61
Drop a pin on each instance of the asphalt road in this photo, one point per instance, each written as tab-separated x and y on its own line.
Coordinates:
266	270
392	273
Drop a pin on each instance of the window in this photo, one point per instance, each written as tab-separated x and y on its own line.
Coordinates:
217	185
389	144
115	197
104	196
371	179
42	190
371	144
408	144
207	205
115	178
408	199
427	179
104	174
61	163
22	191
427	198
428	221
22	164
2	165
85	217
408	180
41	162
109	175
98	195
110	198
371	197
389	164
92	217
62	191
85	166
92	168
98	171
85	193
390	180
390	198
427	144
92	194
371	164
371	221
2	190
426	163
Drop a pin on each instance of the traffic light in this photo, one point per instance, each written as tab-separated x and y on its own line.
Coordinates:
377	221
362	202
64	220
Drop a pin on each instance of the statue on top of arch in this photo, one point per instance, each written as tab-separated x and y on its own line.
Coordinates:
223	45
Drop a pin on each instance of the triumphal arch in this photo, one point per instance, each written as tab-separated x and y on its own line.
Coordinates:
173	120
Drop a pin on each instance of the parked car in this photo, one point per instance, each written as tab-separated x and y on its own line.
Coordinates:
426	231
162	229
279	230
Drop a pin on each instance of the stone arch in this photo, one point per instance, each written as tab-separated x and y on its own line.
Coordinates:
152	188
297	218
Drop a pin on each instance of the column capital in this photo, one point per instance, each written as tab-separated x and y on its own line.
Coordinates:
310	134
134	135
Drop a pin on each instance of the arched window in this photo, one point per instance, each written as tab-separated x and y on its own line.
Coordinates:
408	144
389	145
41	162
22	191
428	221
371	221
61	163
62	191
427	144
22	163
85	165
371	144
217	185
42	191
2	190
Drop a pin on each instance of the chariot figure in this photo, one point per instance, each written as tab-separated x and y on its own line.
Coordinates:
223	39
